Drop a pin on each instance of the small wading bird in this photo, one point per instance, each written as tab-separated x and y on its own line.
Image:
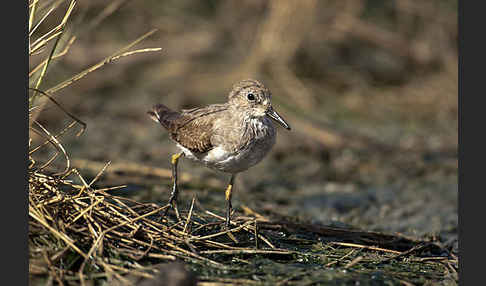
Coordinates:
229	137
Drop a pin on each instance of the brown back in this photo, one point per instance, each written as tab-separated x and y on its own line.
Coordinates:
191	128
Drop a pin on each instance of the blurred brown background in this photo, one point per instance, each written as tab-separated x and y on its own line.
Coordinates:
369	87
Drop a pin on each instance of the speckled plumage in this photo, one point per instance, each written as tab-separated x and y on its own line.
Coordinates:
229	137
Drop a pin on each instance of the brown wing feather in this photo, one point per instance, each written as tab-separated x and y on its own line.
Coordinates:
164	115
193	128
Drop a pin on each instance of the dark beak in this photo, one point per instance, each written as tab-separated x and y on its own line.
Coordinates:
275	116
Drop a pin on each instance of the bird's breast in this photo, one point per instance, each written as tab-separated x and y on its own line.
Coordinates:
253	142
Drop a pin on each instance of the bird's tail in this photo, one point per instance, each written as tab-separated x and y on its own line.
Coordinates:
164	115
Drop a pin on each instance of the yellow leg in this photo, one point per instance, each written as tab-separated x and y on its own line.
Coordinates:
175	158
228	194
175	190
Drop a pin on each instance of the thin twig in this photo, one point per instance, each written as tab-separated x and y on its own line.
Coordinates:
366	247
98	65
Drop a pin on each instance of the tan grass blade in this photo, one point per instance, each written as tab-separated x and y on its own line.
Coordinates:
53	140
58	55
44	39
98	65
33	7
35	215
33	29
79	121
44	69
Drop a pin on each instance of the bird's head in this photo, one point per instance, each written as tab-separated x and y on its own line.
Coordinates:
253	97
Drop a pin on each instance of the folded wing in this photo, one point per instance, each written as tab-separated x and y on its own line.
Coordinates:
190	128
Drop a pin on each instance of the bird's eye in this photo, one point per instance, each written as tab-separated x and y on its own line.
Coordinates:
251	96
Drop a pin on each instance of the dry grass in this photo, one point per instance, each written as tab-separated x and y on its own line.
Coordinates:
79	233
99	228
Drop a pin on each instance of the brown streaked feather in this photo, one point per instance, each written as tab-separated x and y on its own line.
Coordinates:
190	115
191	128
164	115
